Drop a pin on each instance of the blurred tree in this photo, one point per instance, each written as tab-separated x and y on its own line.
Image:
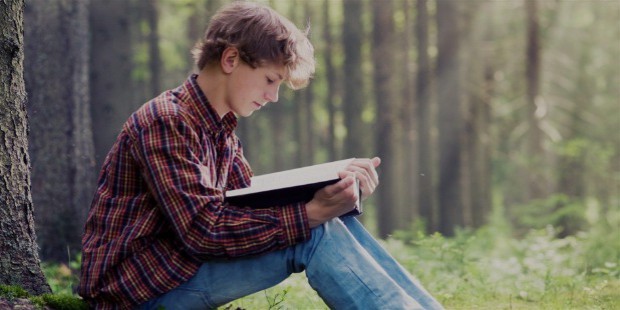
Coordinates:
303	105
410	154
111	84
61	140
492	97
425	171
19	262
449	117
332	80
580	153
482	169
386	122
352	34
155	66
537	183
476	80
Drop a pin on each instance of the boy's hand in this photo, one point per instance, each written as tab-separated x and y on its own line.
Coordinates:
339	198
364	169
332	200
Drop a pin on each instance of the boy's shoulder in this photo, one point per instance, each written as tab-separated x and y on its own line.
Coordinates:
168	105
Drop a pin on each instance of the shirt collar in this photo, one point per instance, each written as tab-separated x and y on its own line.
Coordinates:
206	112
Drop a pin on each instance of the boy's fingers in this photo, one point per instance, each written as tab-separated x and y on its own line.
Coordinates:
365	178
376	161
366	167
348	179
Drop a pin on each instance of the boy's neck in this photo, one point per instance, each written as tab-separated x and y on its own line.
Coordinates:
212	84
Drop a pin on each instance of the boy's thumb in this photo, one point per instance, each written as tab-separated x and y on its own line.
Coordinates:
376	161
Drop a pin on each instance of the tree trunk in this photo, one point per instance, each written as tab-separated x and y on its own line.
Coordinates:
536	180
331	83
19	262
152	16
449	114
481	183
353	103
110	76
410	160
425	170
573	165
472	79
387	120
62	151
308	150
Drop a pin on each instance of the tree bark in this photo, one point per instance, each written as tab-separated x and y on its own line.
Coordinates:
152	16
353	102
19	262
450	119
309	149
112	92
425	171
386	122
410	158
332	79
535	178
61	140
482	187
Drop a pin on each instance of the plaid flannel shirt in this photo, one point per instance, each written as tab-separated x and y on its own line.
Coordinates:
159	211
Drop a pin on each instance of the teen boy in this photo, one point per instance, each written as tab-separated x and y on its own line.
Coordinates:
160	234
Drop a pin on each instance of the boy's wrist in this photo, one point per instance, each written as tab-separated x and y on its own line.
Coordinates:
316	214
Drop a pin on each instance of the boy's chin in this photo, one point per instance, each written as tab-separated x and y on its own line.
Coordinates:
244	113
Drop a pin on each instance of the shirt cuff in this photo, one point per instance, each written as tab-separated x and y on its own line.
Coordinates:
294	220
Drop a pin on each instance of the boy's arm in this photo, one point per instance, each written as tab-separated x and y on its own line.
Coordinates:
169	152
240	171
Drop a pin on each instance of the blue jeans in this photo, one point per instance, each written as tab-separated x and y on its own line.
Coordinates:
343	263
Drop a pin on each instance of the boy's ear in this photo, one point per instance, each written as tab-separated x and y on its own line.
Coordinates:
230	59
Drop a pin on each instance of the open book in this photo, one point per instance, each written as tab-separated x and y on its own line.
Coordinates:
290	186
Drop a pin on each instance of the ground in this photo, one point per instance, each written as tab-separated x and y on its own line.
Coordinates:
18	304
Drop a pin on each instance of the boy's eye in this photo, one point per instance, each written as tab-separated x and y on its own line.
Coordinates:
269	81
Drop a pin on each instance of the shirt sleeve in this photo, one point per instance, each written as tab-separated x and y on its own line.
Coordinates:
177	173
240	171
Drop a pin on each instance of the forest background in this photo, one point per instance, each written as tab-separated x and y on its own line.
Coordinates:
498	125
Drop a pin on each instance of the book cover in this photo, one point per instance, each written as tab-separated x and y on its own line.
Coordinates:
290	186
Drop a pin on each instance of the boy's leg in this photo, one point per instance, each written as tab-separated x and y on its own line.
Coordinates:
395	270
346	276
221	281
338	268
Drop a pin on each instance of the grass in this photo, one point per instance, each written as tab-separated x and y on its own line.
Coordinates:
59	301
493	268
460	279
490	268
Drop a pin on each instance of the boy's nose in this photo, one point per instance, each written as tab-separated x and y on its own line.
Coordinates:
272	95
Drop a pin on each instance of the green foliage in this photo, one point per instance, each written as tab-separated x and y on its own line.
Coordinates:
12	292
494	268
558	210
500	267
276	300
64	302
535	268
292	293
57	302
63	278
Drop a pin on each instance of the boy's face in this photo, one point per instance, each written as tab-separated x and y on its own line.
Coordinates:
249	89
